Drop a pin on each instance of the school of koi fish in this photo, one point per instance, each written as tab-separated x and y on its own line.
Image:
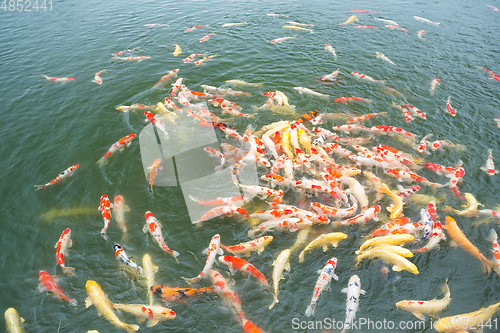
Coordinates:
317	181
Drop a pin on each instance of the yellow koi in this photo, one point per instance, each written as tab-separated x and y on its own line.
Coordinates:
432	307
13	321
296	28
350	20
399	263
280	264
387	240
177	50
471	209
304	140
149	273
324	240
449	324
397	207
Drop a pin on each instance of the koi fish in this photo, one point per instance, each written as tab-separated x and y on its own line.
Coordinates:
122	257
120	145
62	246
205	38
434	84
385	229
449	324
280	264
421	19
175	294
323	282
399	262
432	307
330	49
202	60
119	210
346	100
97	78
383	57
457	235
223	210
436	236
493	7
138	59
237	264
281	40
233	24
493	75
62	176
192	56
149	273
293	27
153	313
386	240
59	79
156	25
369	214
397	207
177	50
330	77
493	239
258	244
13	321
396	27
104	306
154	170
214	249
242	83
471	208
166	77
160	125
449	108
353	291
195	27
420	34
324	240
47	283
365	77
415	111
153	226
490	167
307	91
300	24
365	27
350	20
126	51
105	209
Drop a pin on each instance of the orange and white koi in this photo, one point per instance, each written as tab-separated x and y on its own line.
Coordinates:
392	224
493	239
59	79
214	249
192	56
234	112
436	236
166	77
47	283
160	125
365	77
336	212
411	177
449	108
205	37
384	57
153	313
202	60
493	7
105	209
306	214
251	191
153	226
330	77
291	224
324	279
237	264
195	27
229	297
330	49
97	78
415	111
420	34
404	194
282	39
490	167
365	27
154	170
422	147
396	27
223	210
121	144
493	75
369	214
119	210
407	114
457	235
218	154
136	107
62	176
434	84
393	131
258	245
62	246
122	257
125	51
351	99
138	59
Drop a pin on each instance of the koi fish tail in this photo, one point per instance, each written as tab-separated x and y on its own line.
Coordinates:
487	265
191	281
39	187
310	309
131	328
68	270
104	159
103	234
73	302
274	302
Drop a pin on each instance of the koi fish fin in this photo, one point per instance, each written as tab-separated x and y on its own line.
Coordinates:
22	319
73	302
396	268
337	278
220	252
310	309
453	243
287	266
38	187
88	302
132	328
152	322
301	257
41	287
141	320
362	292
418	315
344	290
145	228
325	247
69	270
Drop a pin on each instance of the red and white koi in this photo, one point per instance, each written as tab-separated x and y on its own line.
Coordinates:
336	212
195	27
436	236
192	56
351	99
62	246
406	112
160	125
330	49
353	291
136	107
97	78
434	84
408	228
62	176
415	111
166	77
392	224
396	27
234	112
202	60
258	245
330	77
291	224
229	297
214	249
490	167
306	214
405	194
59	79
237	264
422	147
365	77
153	226
105	209
47	283
125	51
120	145
493	75
365	27
411	177
122	257
365	117
138	59
154	170
393	131
420	34
218	154
119	210
223	210
368	215
153	313
449	108
251	191
493	238
205	37
324	279
493	7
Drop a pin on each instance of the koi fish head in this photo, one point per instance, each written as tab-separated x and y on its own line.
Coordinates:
43	275
117	248
149	215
